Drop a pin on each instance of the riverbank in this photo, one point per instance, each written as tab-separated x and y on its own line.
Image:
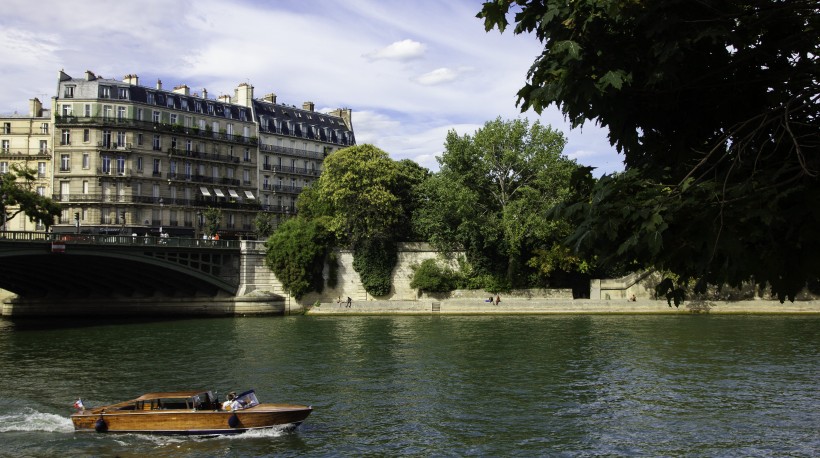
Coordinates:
551	306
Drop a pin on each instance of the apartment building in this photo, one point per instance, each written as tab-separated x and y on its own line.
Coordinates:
134	159
26	141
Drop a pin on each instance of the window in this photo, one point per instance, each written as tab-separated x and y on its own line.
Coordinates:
41	190
247	156
155	116
41	169
106	164
107	111
170	101
69	92
122	93
43	146
120	113
106	138
65	163
173	142
87	110
86	161
85	186
246	176
173	167
4	167
140	114
139	139
65	138
173	118
188	145
121	140
229	128
120	165
5	146
44	128
149	98
188	170
86	135
157	142
105	92
139	163
157	165
67	110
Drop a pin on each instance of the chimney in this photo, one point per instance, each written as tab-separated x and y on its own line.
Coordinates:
270	98
89	75
182	89
346	114
244	94
224	98
133	80
308	106
35	108
159	84
204	93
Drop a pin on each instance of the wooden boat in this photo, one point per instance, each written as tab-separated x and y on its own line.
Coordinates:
188	412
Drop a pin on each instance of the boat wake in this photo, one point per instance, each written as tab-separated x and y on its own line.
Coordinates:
32	420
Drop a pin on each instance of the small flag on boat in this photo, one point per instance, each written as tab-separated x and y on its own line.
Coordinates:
78	404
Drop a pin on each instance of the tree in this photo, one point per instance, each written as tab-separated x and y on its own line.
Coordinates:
213	218
492	192
16	187
714	105
367	199
263	222
296	252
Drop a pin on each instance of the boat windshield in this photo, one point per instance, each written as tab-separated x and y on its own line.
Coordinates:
248	399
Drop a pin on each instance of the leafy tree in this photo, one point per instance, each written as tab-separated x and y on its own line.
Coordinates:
18	196
714	105
213	218
367	199
296	253
263	222
492	192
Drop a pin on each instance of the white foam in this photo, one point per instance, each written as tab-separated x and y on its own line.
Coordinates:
32	420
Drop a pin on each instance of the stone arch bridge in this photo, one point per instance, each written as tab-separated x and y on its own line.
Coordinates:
66	274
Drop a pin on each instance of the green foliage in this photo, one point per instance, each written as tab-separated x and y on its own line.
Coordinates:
213	218
296	253
715	107
367	200
263	224
16	187
491	195
374	260
429	276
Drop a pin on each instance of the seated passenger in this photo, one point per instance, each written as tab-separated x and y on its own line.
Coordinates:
232	403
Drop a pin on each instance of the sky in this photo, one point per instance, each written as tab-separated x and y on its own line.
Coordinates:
410	70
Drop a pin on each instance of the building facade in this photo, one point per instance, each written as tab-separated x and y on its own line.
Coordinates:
26	141
145	160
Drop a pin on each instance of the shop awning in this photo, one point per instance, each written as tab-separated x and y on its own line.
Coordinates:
204	191
233	193
249	194
218	192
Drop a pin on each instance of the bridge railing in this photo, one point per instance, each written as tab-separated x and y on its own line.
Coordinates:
102	239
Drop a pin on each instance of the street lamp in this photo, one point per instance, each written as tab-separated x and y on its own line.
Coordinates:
161	206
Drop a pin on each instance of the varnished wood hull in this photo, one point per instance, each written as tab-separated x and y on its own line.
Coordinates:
193	422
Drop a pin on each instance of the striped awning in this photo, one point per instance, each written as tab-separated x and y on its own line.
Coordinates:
250	195
204	191
233	193
218	192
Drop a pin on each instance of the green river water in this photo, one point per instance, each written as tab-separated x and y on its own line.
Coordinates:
432	386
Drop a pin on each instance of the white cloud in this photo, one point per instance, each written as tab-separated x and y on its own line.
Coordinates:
437	76
400	50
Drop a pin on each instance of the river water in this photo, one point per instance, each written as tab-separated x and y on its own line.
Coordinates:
432	386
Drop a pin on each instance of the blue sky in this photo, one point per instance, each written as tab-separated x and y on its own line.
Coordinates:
410	70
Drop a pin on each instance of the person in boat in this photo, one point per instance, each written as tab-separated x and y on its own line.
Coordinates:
233	403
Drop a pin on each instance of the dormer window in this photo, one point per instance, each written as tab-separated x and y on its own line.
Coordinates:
105	92
122	93
149	98
69	92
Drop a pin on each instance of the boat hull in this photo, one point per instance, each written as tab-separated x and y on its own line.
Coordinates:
191	422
